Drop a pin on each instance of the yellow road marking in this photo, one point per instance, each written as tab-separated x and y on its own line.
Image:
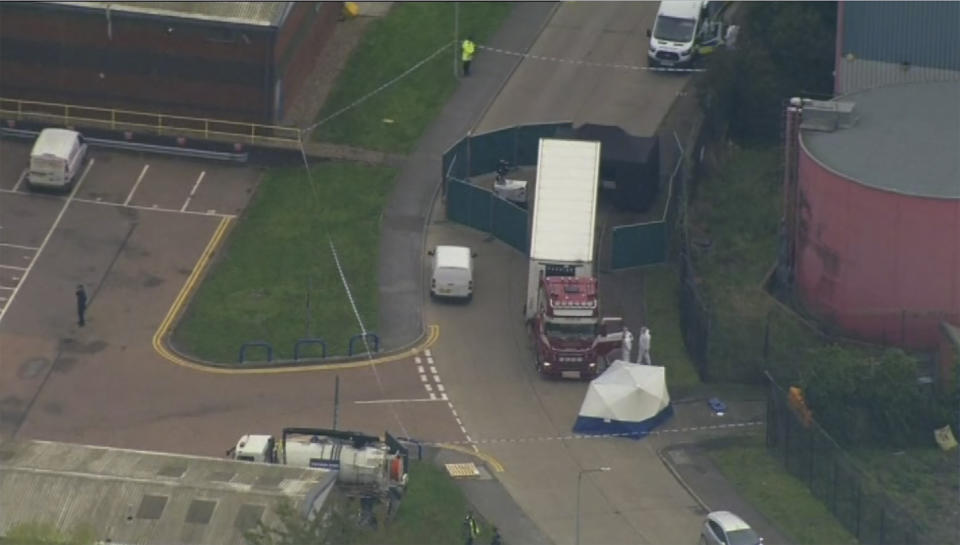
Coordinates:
159	338
490	460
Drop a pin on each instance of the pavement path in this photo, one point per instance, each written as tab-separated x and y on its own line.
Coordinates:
405	213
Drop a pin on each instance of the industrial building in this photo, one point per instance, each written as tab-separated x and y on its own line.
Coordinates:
239	61
883	43
875	214
131	496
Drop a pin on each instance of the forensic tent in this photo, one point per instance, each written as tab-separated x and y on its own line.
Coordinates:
629	164
628	399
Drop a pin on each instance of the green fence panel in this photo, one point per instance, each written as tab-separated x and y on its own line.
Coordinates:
469	205
510	224
487	149
638	245
454	163
528	140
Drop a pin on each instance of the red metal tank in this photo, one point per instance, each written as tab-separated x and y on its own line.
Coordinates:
878	236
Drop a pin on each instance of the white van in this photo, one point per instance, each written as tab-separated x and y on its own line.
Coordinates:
56	159
452	274
673	40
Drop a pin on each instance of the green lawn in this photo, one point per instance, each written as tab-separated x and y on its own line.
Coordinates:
410	32
660	286
431	512
785	501
278	257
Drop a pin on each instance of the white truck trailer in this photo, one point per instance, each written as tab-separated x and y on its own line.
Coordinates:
564	213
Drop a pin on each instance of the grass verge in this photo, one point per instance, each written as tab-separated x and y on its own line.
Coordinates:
277	264
394	119
781	498
663	314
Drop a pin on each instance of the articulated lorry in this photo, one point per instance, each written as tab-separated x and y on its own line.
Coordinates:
570	335
359	459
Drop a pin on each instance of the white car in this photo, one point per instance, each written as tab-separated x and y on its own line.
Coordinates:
725	528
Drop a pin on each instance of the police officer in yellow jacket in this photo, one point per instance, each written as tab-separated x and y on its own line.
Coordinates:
467	49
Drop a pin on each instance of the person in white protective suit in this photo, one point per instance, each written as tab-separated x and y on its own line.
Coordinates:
627	345
645	346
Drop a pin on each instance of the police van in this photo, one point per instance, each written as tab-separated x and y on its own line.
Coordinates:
681	31
56	159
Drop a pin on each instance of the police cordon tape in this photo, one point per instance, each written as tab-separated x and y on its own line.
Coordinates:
731	425
586	63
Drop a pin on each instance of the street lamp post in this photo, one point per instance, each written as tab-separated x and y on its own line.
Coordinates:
580	478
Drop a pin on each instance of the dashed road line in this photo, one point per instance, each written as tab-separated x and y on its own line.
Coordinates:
193	190
136	184
386	401
46	239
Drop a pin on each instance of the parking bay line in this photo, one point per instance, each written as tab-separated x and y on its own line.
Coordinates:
194	190
384	401
46	239
18	246
137	184
14	267
23	175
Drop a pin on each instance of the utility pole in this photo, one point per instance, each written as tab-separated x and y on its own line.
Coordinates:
456	39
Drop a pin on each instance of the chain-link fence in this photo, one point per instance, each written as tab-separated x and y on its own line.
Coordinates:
812	456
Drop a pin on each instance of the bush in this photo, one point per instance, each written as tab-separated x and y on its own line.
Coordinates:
863	401
785	49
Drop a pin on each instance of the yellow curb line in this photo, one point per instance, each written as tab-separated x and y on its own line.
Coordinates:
161	334
490	460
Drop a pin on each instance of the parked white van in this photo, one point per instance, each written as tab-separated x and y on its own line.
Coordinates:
673	40
452	274
56	159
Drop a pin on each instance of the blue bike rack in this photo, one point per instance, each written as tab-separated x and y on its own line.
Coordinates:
243	350
301	342
371	336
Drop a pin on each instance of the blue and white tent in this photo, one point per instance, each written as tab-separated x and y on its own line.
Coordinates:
627	399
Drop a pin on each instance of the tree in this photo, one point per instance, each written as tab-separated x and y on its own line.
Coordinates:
36	533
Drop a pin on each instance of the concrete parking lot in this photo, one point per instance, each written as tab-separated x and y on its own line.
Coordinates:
132	231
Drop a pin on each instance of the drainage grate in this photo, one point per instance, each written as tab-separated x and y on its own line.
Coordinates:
462	470
201	511
151	507
175	471
221	476
248	516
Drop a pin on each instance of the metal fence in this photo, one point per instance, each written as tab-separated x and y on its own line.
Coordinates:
811	455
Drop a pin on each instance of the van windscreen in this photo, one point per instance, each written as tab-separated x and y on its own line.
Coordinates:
674	29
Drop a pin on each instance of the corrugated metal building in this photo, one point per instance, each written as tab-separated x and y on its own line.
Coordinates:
244	61
128	496
878	206
883	43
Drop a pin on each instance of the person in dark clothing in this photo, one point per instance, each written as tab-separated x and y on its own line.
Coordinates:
470	528
495	540
81	304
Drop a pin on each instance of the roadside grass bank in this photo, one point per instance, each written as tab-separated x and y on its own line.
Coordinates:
275	279
661	286
394	119
784	500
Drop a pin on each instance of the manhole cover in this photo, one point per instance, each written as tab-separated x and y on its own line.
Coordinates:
459	471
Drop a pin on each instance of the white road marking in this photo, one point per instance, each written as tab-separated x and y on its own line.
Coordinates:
13	267
420	369
155	206
428	387
8	245
194	190
423	378
433	370
433	397
444	397
137	184
385	401
440	387
428	353
46	239
430	360
417	360
22	177
8	287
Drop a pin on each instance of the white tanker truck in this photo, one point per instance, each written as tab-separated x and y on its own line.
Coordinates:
359	459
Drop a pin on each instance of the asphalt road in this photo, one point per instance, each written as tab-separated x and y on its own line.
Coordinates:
484	352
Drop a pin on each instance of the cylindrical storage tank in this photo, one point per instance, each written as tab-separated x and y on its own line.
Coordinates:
878	235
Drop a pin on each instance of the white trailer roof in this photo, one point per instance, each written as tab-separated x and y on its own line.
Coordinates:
565	202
